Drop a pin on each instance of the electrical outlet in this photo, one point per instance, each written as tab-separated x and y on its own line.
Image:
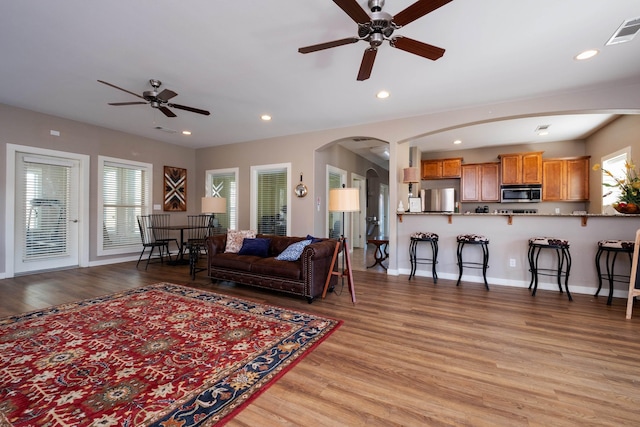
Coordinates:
512	262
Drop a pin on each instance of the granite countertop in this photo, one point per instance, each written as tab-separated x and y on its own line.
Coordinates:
582	214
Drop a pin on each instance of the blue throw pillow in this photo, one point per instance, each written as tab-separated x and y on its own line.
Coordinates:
258	247
293	251
314	239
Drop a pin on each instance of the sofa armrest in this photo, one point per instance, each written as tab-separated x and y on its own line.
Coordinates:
322	249
216	244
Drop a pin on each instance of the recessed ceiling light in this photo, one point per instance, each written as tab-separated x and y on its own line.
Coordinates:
186	132
265	117
383	94
586	54
457	141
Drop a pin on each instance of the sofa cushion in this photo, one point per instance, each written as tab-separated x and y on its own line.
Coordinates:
235	239
258	247
233	261
293	251
271	267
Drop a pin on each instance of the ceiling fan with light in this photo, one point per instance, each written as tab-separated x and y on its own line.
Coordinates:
378	26
159	100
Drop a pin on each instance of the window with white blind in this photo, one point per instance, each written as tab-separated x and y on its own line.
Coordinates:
614	163
224	183
271	192
124	192
46	207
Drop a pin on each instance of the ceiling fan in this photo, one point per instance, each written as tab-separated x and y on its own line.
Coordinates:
159	100
379	26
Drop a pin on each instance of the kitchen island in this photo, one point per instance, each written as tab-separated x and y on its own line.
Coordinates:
508	235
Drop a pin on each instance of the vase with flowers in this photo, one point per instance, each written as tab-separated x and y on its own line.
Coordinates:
629	187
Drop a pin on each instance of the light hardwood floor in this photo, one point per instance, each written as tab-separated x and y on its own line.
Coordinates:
419	354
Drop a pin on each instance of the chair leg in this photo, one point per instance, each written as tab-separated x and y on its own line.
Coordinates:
567	256
599	271
531	266
434	252
535	271
485	263
459	253
140	257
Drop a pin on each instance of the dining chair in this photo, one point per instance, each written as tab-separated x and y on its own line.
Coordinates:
199	229
149	241
158	221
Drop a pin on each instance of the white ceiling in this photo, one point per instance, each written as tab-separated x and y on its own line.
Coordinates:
239	59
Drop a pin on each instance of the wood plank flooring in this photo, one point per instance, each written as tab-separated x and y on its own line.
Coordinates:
419	354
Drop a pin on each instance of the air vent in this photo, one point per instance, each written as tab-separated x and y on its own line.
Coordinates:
542	128
167	130
626	32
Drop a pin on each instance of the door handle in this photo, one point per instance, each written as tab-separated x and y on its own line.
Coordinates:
73	220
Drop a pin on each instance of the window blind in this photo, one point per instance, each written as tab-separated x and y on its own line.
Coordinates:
335	218
224	185
272	199
46	207
123	199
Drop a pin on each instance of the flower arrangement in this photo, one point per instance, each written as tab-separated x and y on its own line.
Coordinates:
629	186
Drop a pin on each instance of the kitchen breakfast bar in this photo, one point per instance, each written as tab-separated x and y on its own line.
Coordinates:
509	234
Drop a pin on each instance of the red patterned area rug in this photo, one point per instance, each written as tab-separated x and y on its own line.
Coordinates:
161	355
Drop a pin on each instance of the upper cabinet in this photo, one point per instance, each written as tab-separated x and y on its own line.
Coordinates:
566	179
521	168
442	168
480	182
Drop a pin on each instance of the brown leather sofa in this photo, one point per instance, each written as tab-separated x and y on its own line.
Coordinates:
305	277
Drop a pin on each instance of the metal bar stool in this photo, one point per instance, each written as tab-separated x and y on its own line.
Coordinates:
612	247
432	239
561	246
474	239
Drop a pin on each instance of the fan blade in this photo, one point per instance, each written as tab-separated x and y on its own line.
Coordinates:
328	45
166	95
354	10
193	110
167	112
367	63
417	10
119	88
417	48
127	103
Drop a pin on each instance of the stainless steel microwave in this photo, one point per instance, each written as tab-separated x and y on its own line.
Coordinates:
521	193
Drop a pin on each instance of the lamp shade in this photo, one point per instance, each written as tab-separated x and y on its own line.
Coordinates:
344	200
410	175
214	205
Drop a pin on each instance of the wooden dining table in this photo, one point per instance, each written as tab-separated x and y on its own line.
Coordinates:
180	258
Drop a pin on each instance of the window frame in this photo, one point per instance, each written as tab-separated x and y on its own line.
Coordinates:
146	203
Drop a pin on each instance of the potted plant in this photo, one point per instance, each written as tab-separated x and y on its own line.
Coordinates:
629	186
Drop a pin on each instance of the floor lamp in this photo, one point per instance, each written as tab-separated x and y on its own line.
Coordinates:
343	200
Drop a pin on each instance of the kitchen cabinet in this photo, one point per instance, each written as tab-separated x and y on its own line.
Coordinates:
480	182
521	168
565	179
441	168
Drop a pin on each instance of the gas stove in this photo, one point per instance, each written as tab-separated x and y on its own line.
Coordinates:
518	211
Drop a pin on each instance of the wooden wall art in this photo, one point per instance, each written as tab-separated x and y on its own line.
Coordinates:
175	189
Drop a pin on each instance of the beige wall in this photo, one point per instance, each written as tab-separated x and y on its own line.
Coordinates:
624	132
28	128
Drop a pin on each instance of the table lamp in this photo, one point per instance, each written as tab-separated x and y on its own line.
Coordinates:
213	205
410	176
